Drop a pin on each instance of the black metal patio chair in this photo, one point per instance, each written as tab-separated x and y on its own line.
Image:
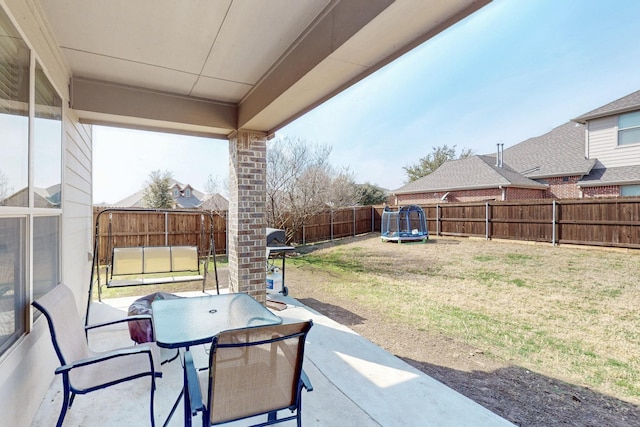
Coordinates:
252	371
82	369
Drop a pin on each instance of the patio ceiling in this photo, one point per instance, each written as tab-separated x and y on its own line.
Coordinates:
211	67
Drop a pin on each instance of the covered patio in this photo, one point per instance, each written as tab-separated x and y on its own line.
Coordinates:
356	383
236	71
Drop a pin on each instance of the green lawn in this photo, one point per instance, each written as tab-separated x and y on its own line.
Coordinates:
570	313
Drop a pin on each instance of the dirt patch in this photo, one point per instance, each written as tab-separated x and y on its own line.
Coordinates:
517	394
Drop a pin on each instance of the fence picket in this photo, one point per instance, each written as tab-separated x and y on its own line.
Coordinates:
594	222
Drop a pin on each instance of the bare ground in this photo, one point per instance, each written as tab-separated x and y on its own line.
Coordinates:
517	394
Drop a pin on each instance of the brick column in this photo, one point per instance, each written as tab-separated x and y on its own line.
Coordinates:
247	214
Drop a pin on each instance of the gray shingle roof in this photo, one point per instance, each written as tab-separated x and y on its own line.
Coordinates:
612	176
473	172
559	152
626	103
215	202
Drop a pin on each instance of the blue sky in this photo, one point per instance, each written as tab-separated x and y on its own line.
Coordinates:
514	70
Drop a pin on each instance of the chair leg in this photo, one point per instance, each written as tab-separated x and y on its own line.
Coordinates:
65	398
153	391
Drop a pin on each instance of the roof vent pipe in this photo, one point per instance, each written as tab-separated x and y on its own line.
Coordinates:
500	155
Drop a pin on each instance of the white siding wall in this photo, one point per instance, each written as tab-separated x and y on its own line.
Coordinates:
26	370
602	140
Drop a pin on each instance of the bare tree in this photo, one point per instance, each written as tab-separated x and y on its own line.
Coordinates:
212	186
214	200
302	183
5	188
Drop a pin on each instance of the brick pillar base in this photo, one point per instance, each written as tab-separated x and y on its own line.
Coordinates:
247	215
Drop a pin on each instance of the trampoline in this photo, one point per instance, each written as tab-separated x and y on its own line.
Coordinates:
404	224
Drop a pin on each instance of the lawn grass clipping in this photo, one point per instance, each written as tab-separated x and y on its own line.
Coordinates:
565	312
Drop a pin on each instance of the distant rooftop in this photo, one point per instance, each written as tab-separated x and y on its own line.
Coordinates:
623	105
559	152
470	173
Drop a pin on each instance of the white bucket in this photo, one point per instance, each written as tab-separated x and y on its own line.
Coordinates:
274	281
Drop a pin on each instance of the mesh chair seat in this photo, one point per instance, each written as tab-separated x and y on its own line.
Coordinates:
95	375
82	369
254	371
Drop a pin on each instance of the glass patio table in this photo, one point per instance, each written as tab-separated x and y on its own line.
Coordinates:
185	322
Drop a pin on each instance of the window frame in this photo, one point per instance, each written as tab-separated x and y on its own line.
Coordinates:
30	212
626	129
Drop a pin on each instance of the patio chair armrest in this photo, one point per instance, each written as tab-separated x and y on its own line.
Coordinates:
193	383
306	382
113	322
106	356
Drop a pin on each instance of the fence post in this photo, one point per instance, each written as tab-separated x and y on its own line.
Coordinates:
553	224
331	221
373	220
354	221
166	229
486	223
437	219
304	237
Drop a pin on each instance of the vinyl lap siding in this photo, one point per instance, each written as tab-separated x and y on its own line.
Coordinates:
77	208
602	142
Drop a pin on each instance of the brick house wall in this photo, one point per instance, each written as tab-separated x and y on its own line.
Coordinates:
562	187
513	193
601	191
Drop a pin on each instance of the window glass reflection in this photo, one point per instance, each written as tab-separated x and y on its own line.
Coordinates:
46	250
47	144
14	116
12	280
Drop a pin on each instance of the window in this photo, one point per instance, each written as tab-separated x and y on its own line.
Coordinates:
14	116
12	280
629	128
30	183
187	192
630	190
46	253
176	192
47	144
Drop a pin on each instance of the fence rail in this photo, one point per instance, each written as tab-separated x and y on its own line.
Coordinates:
594	222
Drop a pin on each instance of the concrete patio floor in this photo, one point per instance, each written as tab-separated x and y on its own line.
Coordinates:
356	383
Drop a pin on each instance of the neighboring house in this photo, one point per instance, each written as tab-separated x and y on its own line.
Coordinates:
613	140
184	196
556	159
594	155
472	179
215	203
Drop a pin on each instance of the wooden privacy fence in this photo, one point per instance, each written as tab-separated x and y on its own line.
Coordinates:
150	228
338	223
594	222
601	222
597	222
